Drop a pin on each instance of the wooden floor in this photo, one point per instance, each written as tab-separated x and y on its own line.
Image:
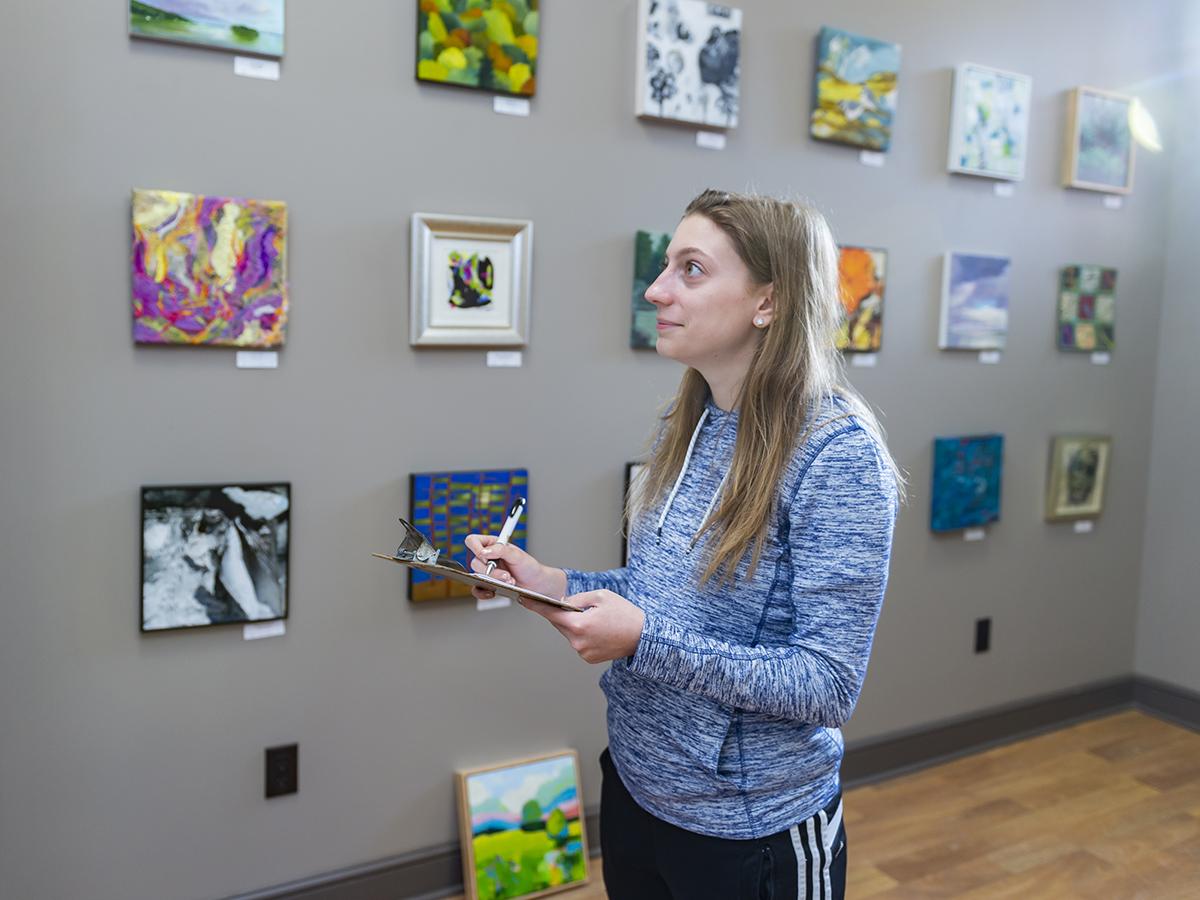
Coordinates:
1105	810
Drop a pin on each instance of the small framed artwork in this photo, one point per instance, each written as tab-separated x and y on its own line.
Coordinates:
989	122
633	471
255	28
209	270
1100	147
448	506
649	256
1078	473
522	828
1087	309
688	62
470	281
966	481
855	90
862	273
974	311
488	45
214	554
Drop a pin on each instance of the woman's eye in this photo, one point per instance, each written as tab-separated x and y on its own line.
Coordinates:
693	268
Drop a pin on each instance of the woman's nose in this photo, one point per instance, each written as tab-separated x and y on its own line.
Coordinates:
656	293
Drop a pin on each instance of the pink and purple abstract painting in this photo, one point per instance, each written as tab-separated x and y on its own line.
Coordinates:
209	270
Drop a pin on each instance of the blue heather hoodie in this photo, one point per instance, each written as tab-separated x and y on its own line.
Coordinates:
726	719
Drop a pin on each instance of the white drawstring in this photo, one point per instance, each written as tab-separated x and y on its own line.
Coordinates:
687	458
711	504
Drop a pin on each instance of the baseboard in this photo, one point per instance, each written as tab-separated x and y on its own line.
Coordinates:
437	871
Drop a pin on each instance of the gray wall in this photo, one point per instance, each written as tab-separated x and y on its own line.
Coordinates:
131	766
1169	613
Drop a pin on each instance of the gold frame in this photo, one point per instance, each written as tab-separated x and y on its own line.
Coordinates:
1054	478
1070	172
470	884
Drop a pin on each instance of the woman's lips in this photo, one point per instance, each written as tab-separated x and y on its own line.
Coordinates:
663	325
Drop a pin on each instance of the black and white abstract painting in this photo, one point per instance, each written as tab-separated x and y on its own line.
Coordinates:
688	63
214	554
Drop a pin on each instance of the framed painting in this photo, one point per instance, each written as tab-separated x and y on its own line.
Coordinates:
209	270
966	481
470	281
244	27
862	274
989	122
855	90
1087	308
488	45
649	254
974	310
688	62
448	506
214	554
1100	146
1078	475
633	470
521	826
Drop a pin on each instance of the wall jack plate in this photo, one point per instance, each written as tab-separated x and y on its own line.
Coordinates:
283	770
983	635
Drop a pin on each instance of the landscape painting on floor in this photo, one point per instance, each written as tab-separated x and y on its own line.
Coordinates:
1087	309
966	481
1078	474
862	273
974	311
245	26
489	45
855	90
989	122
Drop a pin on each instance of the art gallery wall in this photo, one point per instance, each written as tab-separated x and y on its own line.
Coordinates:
1169	614
131	765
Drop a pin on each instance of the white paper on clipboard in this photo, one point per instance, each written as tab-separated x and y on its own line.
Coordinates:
474	579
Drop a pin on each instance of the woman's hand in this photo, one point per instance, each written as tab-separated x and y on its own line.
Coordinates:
513	565
609	627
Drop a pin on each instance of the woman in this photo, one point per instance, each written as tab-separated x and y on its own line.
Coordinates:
759	542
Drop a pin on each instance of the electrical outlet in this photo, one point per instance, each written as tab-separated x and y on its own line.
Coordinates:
283	770
983	635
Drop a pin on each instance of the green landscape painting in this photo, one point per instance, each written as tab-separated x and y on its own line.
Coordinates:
247	26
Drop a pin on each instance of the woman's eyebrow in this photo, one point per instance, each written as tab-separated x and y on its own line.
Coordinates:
684	251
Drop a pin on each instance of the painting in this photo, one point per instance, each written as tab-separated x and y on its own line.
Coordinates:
649	259
966	481
1087	309
989	122
974	312
245	26
633	471
1100	146
214	554
855	90
209	270
522	830
862	272
488	45
448	506
689	68
470	281
1078	473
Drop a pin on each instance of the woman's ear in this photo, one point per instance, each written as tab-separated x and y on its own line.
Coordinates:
764	309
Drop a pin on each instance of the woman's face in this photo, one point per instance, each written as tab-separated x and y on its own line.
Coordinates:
706	299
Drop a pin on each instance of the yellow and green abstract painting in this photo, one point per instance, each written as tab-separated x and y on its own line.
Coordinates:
855	90
491	45
209	270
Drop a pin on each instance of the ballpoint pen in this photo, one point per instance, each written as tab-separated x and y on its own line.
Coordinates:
510	525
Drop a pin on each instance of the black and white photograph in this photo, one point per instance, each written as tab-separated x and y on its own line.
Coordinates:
214	554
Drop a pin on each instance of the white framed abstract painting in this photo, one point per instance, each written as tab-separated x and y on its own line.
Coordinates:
1100	146
688	62
974	311
470	281
989	122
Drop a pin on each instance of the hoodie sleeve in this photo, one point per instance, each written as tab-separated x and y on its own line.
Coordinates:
615	580
838	543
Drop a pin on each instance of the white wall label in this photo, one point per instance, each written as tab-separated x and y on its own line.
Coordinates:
257	630
863	360
510	106
249	67
710	140
496	602
1101	358
504	359
1003	189
1084	526
871	158
257	359
1113	201
989	357
974	534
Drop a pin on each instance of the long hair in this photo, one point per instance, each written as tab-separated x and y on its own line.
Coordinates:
795	366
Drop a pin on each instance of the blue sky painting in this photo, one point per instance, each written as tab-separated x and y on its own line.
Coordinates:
974	302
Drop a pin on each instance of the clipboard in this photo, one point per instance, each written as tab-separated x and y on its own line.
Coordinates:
417	553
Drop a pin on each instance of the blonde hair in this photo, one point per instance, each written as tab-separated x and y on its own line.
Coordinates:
795	366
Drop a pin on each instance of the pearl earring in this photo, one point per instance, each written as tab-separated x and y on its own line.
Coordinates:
760	321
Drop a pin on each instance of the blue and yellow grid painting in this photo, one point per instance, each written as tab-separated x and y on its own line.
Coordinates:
966	481
447	506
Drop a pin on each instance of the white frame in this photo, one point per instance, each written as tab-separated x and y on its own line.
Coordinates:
957	122
1070	172
519	235
944	313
